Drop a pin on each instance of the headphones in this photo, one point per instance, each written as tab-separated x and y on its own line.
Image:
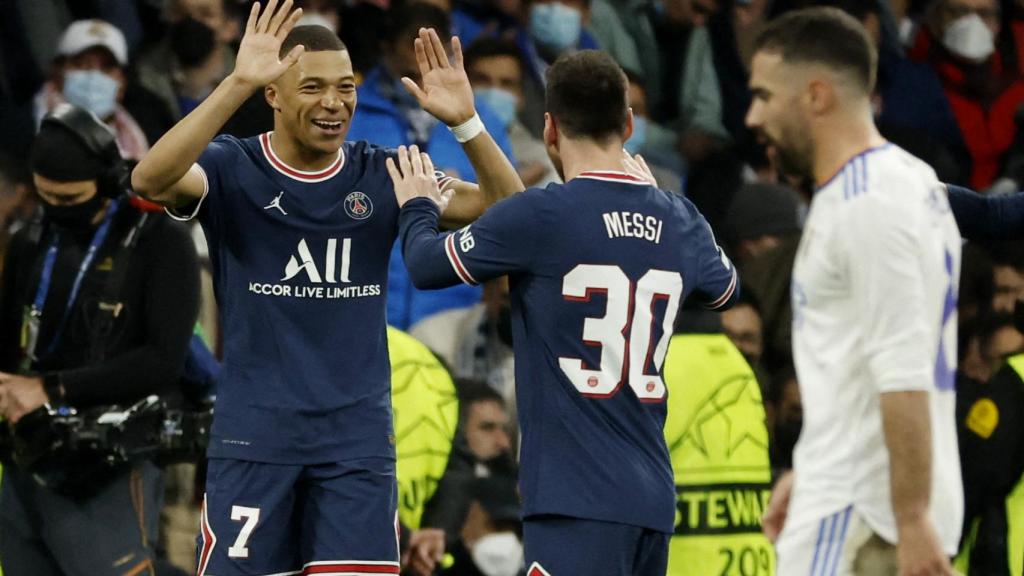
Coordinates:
99	140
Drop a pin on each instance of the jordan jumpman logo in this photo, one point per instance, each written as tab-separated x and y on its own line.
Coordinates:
276	203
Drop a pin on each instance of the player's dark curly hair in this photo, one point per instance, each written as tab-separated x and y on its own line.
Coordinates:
587	95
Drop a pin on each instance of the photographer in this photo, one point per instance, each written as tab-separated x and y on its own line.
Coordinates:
98	304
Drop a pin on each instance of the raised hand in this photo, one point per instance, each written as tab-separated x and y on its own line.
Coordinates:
258	62
446	92
413	177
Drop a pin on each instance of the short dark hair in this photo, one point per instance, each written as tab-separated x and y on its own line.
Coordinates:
1008	253
822	35
471	390
587	95
487	47
315	38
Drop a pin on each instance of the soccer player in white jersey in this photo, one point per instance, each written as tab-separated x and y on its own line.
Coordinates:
876	488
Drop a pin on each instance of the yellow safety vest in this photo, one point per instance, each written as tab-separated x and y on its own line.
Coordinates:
988	416
1015	503
426	414
718	441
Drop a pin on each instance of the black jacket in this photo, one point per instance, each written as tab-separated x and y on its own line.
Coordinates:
146	348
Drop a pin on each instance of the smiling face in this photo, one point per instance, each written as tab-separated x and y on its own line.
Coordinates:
777	112
314	101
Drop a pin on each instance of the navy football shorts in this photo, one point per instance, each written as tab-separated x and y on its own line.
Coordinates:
565	546
275	519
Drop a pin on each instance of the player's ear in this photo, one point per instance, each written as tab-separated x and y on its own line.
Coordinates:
550	132
270	94
821	96
628	133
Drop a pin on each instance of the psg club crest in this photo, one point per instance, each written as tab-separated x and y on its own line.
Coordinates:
358	206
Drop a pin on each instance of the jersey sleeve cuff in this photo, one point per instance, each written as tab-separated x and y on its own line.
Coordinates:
456	261
176	214
444	181
726	296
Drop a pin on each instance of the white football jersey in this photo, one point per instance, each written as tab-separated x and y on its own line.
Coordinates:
874	311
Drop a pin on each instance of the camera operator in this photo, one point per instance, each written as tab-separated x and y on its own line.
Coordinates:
98	304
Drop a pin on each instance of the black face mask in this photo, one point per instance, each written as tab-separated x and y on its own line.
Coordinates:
503	326
75	217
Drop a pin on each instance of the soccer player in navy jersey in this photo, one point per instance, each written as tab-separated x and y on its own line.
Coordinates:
598	267
300	225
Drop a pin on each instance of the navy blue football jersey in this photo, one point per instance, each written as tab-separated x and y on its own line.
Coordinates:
598	269
300	263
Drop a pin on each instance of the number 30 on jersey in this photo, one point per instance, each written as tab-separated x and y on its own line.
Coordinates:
626	331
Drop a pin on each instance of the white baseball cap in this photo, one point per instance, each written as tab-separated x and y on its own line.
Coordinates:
84	34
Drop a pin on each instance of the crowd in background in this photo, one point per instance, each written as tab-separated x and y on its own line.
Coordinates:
949	89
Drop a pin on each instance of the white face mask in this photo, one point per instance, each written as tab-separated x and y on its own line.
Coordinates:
969	38
498	554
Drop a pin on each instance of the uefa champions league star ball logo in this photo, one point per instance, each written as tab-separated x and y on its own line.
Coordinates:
358	206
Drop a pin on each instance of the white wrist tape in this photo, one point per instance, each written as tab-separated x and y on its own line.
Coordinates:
468	130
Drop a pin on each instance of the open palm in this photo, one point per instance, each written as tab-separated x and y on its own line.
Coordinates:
446	92
258	62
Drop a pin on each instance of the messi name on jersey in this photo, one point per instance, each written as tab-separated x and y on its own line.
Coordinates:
306	276
632	225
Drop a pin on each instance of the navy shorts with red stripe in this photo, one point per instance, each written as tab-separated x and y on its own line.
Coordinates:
565	546
276	519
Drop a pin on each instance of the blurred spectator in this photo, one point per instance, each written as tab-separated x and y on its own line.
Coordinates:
552	27
990	417
998	339
215	14
482	450
495	68
785	416
653	141
742	324
192	58
476	342
485	427
90	72
984	93
624	29
909	104
468	25
389	116
490	541
475	19
975	295
325	13
763	226
1007	276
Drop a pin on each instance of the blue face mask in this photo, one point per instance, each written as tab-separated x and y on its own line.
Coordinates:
92	90
555	25
501	102
639	137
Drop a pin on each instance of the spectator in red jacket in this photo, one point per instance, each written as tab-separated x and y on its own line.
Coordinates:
984	90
